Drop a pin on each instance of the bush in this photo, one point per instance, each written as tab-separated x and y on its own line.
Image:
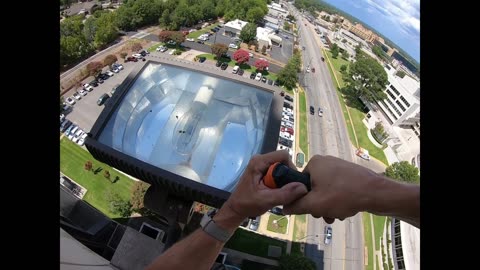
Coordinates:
177	52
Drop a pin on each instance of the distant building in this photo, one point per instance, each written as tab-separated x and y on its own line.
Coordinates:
266	37
276	11
346	24
397	55
233	28
405	245
363	33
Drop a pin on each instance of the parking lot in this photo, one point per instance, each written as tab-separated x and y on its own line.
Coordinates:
86	111
284	53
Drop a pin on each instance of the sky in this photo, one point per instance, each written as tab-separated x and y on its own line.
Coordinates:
398	20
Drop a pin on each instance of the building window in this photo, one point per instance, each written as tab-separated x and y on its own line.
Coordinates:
404	100
395	90
388	109
390	94
394	107
400	105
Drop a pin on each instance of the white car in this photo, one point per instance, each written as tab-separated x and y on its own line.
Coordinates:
192	30
190	39
77	135
320	112
77	96
114	69
137	55
258	77
162	49
308	69
109	73
82	92
72	132
171	42
233	46
363	153
250	55
88	87
119	66
235	69
70	100
81	141
286	135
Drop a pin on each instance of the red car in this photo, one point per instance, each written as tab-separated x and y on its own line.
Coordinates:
287	129
131	58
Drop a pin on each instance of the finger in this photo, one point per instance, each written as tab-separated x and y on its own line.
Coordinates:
272	157
310	163
300	206
329	220
287	194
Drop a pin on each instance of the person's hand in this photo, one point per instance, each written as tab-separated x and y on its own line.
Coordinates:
251	197
339	189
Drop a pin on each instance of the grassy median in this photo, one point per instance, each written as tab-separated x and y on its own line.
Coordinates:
72	161
378	224
356	125
367	232
299	227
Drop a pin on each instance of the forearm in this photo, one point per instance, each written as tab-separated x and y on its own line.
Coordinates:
392	198
199	250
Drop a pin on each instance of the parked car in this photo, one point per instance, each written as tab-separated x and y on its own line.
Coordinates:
72	132
323	59
102	99
88	87
277	211
131	58
200	41
287	129
103	76
202	59
232	46
289	98
258	77
328	235
270	82
81	141
137	55
287	105
254	224
65	125
109	73
224	66
363	153
77	135
144	52
282	93
218	64
312	110
264	79
240	72
235	69
214	30
190	39
171	42
320	112
77	96
69	129
114	69
70	100
162	49
276	83
98	79
114	89
252	76
119	66
93	83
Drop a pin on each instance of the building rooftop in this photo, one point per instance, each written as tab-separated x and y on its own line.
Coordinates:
410	245
407	86
236	24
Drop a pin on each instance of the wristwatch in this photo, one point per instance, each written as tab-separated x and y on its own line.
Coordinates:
208	225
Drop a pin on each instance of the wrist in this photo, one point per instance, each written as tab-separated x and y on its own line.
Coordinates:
227	219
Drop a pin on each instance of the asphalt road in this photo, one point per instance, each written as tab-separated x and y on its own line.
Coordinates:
328	136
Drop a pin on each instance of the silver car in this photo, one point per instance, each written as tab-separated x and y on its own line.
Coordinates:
328	235
254	224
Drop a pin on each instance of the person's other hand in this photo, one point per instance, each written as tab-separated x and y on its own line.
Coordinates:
252	198
339	189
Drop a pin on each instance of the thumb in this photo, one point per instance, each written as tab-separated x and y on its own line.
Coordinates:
288	193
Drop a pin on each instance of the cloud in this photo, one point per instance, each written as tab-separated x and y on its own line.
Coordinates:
403	13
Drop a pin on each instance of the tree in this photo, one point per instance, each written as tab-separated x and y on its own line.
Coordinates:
106	30
255	14
288	75
139	189
117	205
106	174
367	78
178	37
345	55
249	32
343	68
261	64
290	17
241	56
218	49
379	132
94	68
334	50
136	47
88	165
109	60
400	73
165	19
296	261
403	171
164	36
264	49
286	26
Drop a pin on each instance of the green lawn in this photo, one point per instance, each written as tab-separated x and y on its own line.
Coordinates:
356	114
72	160
197	33
303	125
253	243
378	224
368	239
300	221
282	224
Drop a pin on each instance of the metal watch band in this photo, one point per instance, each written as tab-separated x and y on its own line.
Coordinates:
209	226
